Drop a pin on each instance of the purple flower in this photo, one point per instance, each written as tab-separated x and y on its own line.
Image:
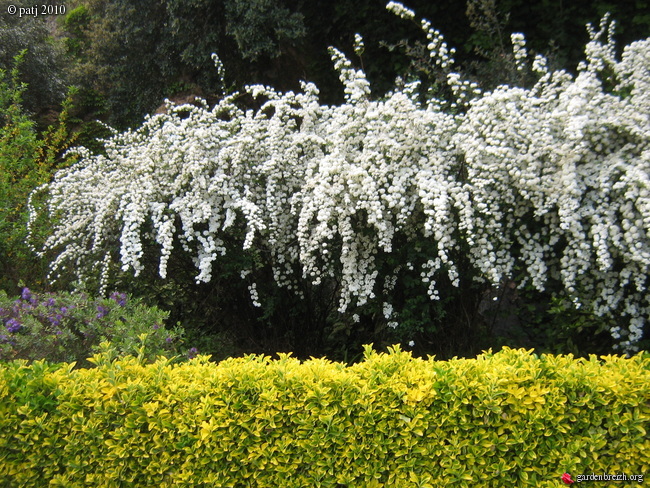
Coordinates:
13	326
156	326
56	320
169	340
26	294
119	298
50	302
191	354
64	310
102	311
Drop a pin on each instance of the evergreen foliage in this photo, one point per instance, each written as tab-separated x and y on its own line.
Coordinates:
63	327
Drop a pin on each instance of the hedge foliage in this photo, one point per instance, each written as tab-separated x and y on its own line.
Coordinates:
507	419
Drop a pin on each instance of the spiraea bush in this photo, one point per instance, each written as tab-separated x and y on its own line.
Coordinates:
506	419
547	185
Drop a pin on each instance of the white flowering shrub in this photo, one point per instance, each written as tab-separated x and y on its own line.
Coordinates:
552	181
561	174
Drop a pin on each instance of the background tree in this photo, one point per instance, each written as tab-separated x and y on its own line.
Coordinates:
136	54
42	65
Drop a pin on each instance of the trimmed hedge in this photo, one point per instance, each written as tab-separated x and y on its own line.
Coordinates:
507	419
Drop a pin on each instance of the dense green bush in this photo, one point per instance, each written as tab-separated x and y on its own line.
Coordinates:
505	419
70	327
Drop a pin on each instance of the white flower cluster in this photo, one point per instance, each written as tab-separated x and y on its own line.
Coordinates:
400	10
359	45
519	50
440	54
355	84
554	180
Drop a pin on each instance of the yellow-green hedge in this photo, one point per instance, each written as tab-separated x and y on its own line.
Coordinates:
505	419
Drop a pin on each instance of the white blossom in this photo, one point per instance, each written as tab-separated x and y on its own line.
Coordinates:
519	50
359	45
400	10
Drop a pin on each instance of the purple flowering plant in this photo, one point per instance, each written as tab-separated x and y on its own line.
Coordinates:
119	298
26	295
101	311
13	325
67	327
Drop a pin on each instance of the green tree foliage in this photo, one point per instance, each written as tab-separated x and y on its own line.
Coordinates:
552	26
117	58
137	53
261	26
27	159
42	64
